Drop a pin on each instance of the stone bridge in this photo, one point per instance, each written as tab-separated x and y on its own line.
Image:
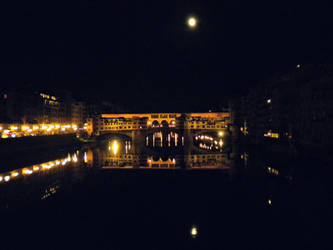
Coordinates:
127	123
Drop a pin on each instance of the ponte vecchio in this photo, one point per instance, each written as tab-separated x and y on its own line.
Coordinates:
110	123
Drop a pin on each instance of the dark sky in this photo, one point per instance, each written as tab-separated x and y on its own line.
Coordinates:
143	54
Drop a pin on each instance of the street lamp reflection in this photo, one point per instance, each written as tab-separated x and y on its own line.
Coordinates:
115	147
194	232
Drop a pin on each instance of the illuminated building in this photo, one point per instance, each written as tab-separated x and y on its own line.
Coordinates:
27	106
50	110
105	123
206	121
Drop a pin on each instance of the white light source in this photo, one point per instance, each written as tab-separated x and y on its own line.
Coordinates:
194	231
192	22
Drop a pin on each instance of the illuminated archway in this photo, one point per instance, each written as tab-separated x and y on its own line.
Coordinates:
155	124
165	124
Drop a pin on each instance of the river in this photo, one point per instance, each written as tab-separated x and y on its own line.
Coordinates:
167	194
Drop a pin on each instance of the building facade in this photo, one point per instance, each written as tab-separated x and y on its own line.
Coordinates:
292	107
106	123
33	107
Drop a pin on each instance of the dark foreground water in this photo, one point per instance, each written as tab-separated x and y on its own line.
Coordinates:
112	198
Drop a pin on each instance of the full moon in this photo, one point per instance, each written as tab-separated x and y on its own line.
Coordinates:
192	22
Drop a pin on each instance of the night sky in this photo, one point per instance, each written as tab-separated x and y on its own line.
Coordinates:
143	54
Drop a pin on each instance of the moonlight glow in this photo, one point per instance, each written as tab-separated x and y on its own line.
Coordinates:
192	22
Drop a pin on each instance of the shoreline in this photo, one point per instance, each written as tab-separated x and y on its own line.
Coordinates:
19	152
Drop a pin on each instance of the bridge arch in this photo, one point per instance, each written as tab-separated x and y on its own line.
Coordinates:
164	124
172	123
155	123
117	136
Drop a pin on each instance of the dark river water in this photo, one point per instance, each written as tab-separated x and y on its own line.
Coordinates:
166	193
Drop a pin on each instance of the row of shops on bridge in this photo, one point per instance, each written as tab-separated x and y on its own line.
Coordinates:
106	123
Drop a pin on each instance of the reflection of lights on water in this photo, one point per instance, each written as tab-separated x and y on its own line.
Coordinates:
194	231
115	147
85	157
74	158
35	168
127	146
273	171
209	142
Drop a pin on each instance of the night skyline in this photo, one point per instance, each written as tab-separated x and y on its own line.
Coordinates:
166	124
144	55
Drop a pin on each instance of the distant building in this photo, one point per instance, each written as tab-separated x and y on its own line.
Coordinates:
315	119
293	107
49	109
30	106
19	106
78	110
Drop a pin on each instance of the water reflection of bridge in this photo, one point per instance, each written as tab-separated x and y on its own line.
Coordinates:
209	161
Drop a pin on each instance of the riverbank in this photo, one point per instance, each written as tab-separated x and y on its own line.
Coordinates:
18	152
